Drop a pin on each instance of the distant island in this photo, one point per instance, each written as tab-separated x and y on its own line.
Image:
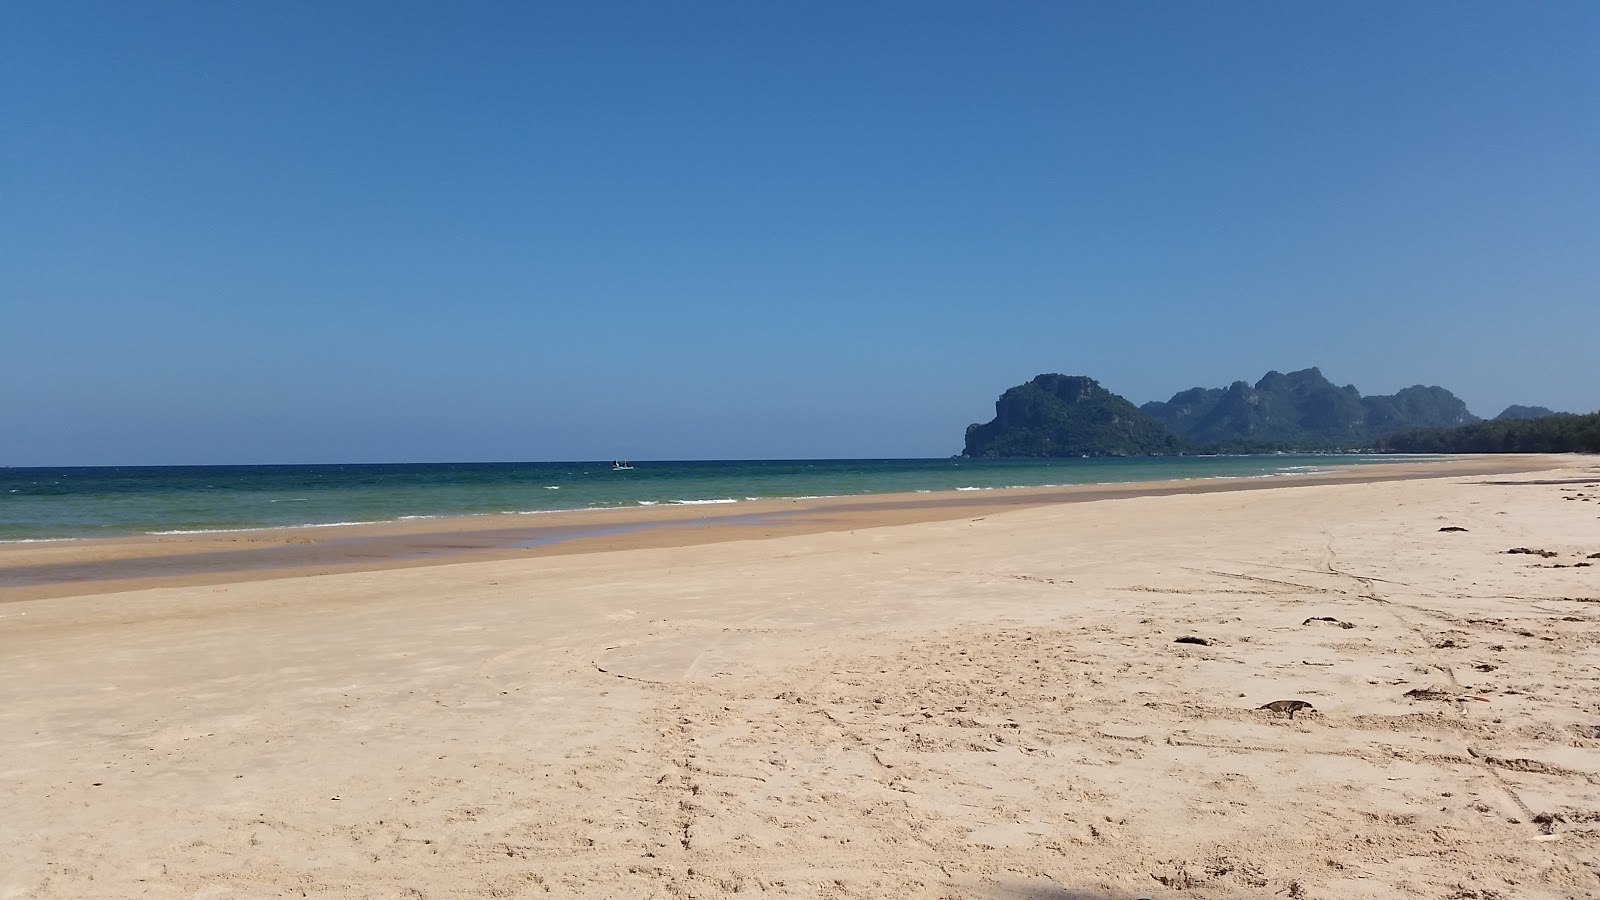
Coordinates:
1073	415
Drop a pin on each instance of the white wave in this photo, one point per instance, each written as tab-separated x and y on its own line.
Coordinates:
290	500
552	487
649	502
182	531
35	540
974	488
264	527
703	502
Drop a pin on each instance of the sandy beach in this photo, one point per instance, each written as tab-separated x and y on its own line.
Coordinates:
909	697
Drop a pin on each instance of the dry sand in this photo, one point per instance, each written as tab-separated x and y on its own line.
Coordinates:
989	706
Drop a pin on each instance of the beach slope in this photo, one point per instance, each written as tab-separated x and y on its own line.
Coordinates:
1052	702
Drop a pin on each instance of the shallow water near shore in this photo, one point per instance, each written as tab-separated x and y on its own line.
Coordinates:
64	503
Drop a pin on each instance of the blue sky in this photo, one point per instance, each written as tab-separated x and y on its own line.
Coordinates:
304	232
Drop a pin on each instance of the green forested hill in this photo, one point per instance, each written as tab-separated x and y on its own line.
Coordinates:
1067	415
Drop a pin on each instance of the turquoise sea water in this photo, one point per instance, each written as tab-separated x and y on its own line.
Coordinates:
42	503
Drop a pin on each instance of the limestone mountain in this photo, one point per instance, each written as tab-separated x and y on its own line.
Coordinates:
1067	415
1301	410
1072	415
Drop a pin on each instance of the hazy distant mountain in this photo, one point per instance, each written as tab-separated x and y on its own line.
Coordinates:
1067	415
1524	412
1302	410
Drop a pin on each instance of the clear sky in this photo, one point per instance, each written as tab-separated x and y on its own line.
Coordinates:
312	231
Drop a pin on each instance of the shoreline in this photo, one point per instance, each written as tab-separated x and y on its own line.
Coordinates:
1340	461
98	565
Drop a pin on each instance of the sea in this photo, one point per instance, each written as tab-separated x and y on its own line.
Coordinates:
39	504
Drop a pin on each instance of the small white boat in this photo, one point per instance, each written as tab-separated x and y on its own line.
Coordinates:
621	465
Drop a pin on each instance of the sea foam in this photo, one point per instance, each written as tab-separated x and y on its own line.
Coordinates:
35	540
267	527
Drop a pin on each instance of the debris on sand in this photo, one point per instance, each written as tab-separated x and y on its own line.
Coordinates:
1337	622
1430	694
1438	694
1191	639
1452	528
1531	552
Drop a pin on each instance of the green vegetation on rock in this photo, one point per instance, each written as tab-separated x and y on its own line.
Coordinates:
1067	415
1301	410
1524	412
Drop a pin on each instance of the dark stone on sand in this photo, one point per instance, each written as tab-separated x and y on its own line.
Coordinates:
1191	639
1452	528
1288	706
1531	552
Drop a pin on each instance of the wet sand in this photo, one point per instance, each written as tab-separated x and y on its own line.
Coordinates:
991	705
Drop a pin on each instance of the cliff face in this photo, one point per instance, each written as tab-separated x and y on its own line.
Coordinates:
1067	415
1416	407
1302	409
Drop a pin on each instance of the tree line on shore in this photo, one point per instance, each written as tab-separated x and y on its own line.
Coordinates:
1558	433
